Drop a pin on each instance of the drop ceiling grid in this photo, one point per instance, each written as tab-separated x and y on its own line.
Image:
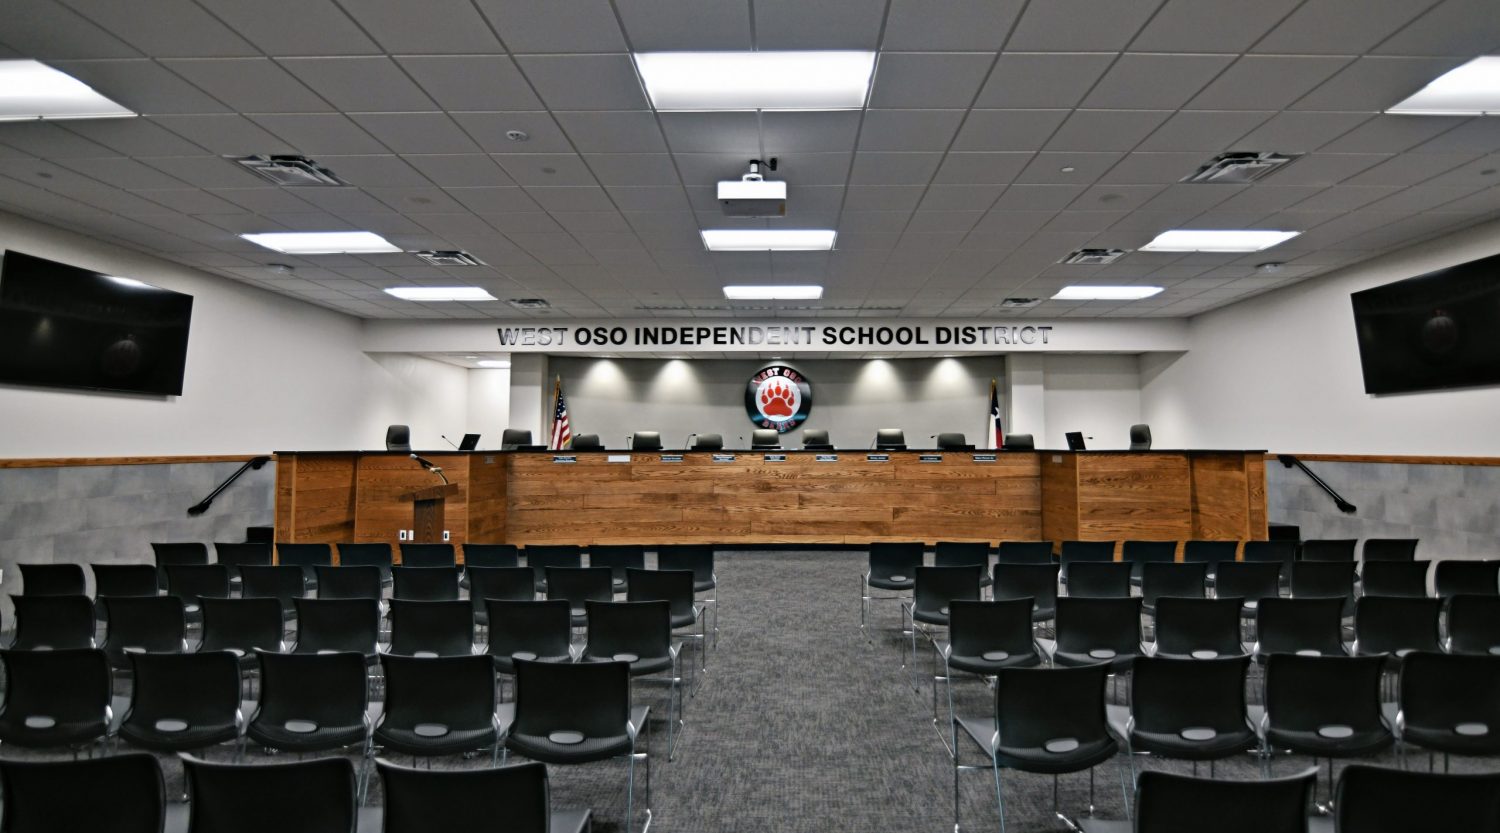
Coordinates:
618	229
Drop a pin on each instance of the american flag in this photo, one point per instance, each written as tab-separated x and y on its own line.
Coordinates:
995	414
561	432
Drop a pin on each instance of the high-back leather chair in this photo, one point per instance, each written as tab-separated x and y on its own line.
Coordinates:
398	438
708	442
953	441
645	441
890	439
512	437
816	439
587	442
1019	442
765	438
1140	437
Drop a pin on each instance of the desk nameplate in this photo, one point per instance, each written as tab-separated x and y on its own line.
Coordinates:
877	458
564	458
723	458
929	458
825	458
984	458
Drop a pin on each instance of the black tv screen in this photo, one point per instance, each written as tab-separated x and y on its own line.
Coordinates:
63	326
1439	330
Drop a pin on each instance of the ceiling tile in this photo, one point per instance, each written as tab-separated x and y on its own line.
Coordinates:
205	171
882	197
704	169
818	24
1375	83
190	201
1298	132
814	168
1154	82
471	82
981	168
122	173
1036	197
429	27
909	130
949	198
549	26
928	79
1041	81
649	199
48	31
1008	130
1324	168
894	168
962	25
143	86
250	85
544	169
374	171
1410	169
1391	134
457	170
1339	27
172	28
585	82
319	133
677	25
1461	28
1343	198
133	137
1047	168
1105	130
712	132
1266	82
1481	135
416	132
1209	25
633	169
567	199
360	83
613	132
1080	25
322	28
265	199
490	129
808	132
49	140
1209	131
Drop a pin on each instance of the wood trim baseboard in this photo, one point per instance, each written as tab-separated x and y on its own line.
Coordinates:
64	462
1406	459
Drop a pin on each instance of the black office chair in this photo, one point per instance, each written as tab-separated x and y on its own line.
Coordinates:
1473	624
195	582
1188	628
52	580
432	629
586	442
1019	442
180	702
55	698
1094	631
816	439
578	713
512	437
439	705
122	580
115	794
1139	553
1188	709
964	554
53	623
243	627
1394	626
892	567
421	800
618	558
768	439
1394	578
698	558
281	582
1037	582
510	584
1162	579
368	555
1373	799
306	556
708	442
579	585
330	626
1099	579
645	441
1324	707
172	554
1330	549
528	630
1390	549
312	703
1306	627
890	439
316	796
1450	704
1322	579
1452	577
1170	803
430	555
639	633
398	438
984	637
953	442
675	587
237	555
935	589
1281	552
1024	552
1249	581
491	555
425	584
349	582
1140	437
1212	553
1074	551
541	556
143	623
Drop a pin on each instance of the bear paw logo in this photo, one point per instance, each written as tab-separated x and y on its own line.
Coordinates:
776	400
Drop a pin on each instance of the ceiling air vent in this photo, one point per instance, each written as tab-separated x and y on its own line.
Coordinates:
1020	303
1238	168
449	258
292	171
528	303
1093	257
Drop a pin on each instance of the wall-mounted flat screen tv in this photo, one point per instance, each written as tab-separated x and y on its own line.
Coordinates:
63	326
1439	330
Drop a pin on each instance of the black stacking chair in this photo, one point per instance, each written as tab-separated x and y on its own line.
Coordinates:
1024	552
432	629
330	626
1323	707
1281	552
1322	579
235	556
1374	799
143	623
243	627
1098	631
1308	627
115	794
1139	553
1331	549
618	558
1212	553
765	439
195	582
137	580
52	580
1048	721
1389	549
1170	803
984	637
529	630
428	555
640	634
1473	624
674	587
1037	582
1474	578
438	705
306	556
1394	578
53	623
425	584
174	554
1394	626
1450	704
511	584
368	555
539	557
578	713
1076	551
348	582
283	582
700	559
312	703
417	800
1170	578
491	555
1249	581
892	567
964	554
935	589
579	585
316	796
1187	709
1189	628
1099	579
55	698
183	701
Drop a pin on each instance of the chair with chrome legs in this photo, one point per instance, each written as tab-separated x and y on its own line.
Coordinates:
541	556
983	637
421	800
1172	578
1037	582
1099	579
181	702
1373	799
114	794
1098	631
618	558
1394	626
639	633
511	584
1473	624
306	556
316	796
1140	553
1073	552
1305	627
1188	628
1048	721
439	706
934	589
1394	578
432	629
1024	552
1249	581
676	588
580	585
377	555
1449	704
1186	709
1212	553
313	703
700	559
55	698
964	554
528	630
1170	803
892	567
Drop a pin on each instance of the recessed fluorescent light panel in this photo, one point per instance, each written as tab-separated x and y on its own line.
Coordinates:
501	363
1470	90
805	292
32	90
440	293
756	80
323	242
1105	293
1206	240
768	240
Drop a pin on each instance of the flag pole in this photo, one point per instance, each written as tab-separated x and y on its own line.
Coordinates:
552	425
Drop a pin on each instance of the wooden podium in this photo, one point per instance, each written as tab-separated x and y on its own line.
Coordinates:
427	511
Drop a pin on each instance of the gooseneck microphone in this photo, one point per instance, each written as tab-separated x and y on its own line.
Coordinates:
450	442
688	443
431	466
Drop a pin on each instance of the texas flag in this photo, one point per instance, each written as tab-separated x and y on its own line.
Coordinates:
995	415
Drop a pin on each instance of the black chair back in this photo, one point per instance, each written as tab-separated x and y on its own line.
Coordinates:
491	555
1390	549
1473	578
1019	442
1167	802
528	630
952	441
1089	627
456	693
512	437
707	442
890	559
585	442
541	556
1292	626
54	698
1198	628
1323	579
675	587
1372	799
1076	551
143	623
591	698
124	580
1396	625
1473	624
1037	582
1168	695
419	800
645	441
361	582
428	584
1394	578
618	558
765	438
53	623
432	629
890	439
512	584
1329	549
938	587
1159	579
1035	706
1099	579
1024	552
52	580
977	629
579	585
306	556
398	438
177	553
1212	553
429	555
237	555
335	625
1305	694
1250	581
1140	437
622	630
283	582
1138	553
197	694
366	555
115	794
696	557
1282	552
194	582
962	554
328	691
243	626
816	439
314	796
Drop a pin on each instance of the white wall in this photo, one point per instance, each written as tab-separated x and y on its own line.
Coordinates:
1282	372
264	372
1098	395
489	405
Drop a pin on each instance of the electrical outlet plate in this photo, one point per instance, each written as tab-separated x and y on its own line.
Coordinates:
401	534
445	536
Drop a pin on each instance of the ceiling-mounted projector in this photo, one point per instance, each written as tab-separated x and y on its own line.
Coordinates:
752	195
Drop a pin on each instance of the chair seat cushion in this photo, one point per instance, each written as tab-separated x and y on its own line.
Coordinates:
193	737
408	740
1174	745
1120	662
1088	753
1364	741
13	729
324	738
930	617
1445	739
638	667
980	665
682	620
507	664
703	585
540	748
887	584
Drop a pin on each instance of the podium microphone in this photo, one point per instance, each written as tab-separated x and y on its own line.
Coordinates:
431	466
742	441
450	442
688	443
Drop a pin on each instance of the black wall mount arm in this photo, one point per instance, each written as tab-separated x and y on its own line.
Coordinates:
202	506
1290	461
